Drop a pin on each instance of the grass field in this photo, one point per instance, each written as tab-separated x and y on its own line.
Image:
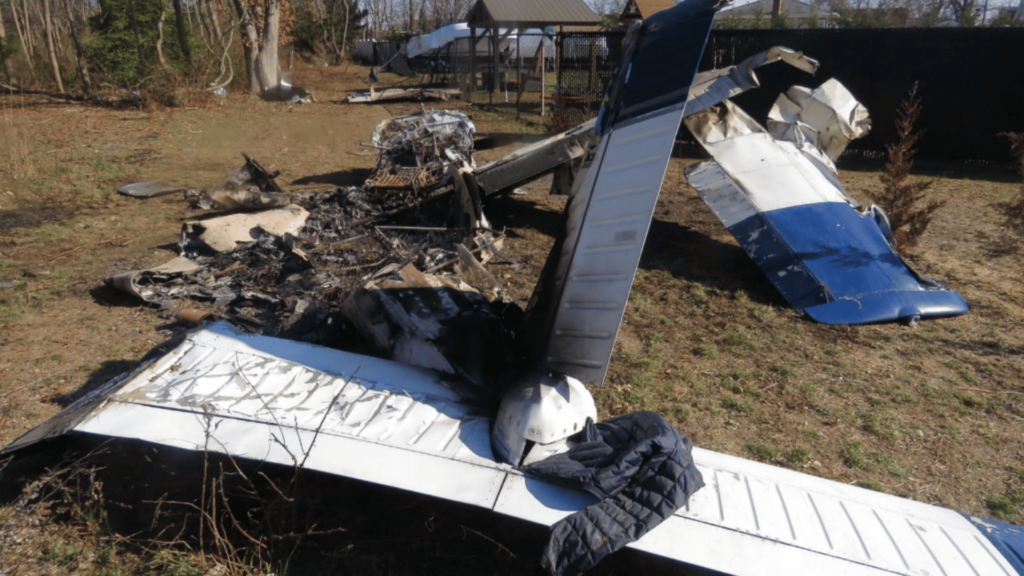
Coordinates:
933	412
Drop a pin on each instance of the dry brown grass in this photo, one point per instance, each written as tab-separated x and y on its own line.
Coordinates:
15	156
901	198
1013	210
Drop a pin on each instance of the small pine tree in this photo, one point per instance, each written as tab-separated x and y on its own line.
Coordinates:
811	21
1013	211
931	17
845	18
781	21
759	21
899	197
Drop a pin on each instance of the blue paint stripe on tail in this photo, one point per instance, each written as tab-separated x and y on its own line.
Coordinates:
831	262
1007	538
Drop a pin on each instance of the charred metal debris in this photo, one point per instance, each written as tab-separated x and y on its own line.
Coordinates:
351	262
415	150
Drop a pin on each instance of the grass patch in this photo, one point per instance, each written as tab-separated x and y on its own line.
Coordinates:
783	370
881	423
737	338
798	456
1006	506
812	434
738	405
871	485
709	351
698	295
62	554
764	452
855	455
173	563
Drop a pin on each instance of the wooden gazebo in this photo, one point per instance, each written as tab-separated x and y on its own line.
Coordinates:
489	16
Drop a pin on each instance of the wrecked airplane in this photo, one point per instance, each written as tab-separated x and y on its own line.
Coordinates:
517	443
778	191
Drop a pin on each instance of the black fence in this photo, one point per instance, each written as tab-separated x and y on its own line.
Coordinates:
971	80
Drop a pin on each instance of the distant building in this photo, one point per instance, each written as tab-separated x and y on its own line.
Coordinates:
796	11
640	9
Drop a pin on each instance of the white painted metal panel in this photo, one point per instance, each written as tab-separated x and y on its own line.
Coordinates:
838	520
680	538
334	454
608	220
408	428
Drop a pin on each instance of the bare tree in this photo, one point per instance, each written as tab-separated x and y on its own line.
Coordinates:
160	36
3	47
260	21
443	12
28	29
23	38
51	46
963	12
179	22
606	8
212	9
344	33
83	66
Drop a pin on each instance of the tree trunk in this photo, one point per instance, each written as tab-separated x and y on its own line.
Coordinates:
3	42
267	59
135	28
334	34
51	46
17	23
344	32
160	37
182	39
250	45
28	29
212	9
23	38
59	32
83	66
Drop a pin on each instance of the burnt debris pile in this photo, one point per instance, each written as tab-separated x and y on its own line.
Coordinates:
399	268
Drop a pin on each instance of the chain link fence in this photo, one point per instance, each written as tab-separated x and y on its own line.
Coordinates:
585	65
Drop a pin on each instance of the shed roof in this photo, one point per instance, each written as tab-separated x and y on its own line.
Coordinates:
646	8
531	12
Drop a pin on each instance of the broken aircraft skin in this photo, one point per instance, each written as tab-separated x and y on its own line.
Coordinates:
388	418
535	160
778	193
443	94
792	216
